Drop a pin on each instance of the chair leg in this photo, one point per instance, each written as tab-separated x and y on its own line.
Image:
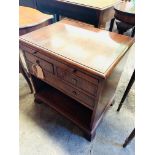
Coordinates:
127	90
24	73
111	24
128	140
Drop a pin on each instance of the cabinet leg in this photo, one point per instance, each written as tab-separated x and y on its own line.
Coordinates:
90	136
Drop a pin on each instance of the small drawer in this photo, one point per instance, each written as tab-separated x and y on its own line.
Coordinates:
77	81
78	73
81	96
70	91
44	64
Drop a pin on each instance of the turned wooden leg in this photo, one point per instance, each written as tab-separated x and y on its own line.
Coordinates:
128	140
127	90
111	24
24	73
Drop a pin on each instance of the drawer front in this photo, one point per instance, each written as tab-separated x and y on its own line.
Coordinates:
72	92
44	64
62	66
79	95
77	81
77	73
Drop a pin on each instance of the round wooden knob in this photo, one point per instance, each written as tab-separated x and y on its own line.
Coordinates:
74	92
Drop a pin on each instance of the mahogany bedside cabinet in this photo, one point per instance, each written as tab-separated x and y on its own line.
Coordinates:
76	71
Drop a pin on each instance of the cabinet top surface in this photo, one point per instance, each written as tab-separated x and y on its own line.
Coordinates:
94	49
100	4
30	17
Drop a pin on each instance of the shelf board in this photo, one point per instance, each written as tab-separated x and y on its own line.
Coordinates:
68	107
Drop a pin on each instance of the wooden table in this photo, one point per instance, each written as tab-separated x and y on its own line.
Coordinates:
30	20
76	74
95	12
125	13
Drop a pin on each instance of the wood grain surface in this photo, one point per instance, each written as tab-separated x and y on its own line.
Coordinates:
96	51
31	17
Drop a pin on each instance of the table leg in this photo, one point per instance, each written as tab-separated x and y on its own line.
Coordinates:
101	23
128	140
127	90
25	74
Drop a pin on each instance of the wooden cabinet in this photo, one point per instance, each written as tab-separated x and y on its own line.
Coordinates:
76	82
75	74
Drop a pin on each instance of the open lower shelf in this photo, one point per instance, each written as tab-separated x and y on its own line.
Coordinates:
68	107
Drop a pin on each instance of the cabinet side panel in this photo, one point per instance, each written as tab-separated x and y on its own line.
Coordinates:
107	91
